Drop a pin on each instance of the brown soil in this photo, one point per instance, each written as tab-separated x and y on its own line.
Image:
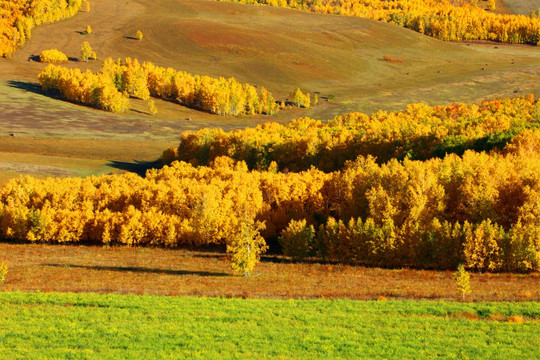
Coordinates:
183	272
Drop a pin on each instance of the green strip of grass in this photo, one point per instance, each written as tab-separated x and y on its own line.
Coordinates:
90	326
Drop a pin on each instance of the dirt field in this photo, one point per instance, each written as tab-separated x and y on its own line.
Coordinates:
182	272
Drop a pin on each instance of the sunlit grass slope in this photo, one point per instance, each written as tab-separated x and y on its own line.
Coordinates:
61	326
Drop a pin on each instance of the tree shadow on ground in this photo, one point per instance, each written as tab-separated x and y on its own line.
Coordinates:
138	167
139	270
27	86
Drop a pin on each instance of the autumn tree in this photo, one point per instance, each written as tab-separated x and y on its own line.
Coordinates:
87	6
86	52
139	35
247	245
52	56
3	271
152	107
491	5
462	279
88	30
297	97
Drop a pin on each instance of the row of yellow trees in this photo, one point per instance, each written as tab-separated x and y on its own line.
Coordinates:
438	18
420	132
481	209
97	90
121	79
19	17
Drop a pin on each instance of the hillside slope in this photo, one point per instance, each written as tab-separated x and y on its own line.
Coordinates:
281	49
522	6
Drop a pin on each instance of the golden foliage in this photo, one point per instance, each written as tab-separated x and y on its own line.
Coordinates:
300	99
19	17
139	35
52	56
480	209
462	277
3	271
83	88
152	107
438	18
87	52
215	95
420	132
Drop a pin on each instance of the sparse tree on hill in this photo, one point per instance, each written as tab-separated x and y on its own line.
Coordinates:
88	30
86	52
299	98
87	6
152	107
315	99
139	35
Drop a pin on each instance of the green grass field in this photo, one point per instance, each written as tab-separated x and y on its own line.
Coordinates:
90	326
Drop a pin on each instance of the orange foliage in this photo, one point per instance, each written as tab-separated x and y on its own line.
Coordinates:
215	95
18	18
420	132
433	214
438	18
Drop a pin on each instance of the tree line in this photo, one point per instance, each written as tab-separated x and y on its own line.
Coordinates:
481	209
441	19
420	132
111	88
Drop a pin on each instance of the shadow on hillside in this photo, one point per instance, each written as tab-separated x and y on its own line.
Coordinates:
138	167
275	259
139	270
27	86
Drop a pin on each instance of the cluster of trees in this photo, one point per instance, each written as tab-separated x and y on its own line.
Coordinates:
441	19
52	56
87	88
480	209
215	95
420	132
298	98
19	17
130	78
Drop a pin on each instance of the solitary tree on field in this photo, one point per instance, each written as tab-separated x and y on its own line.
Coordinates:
88	30
247	246
87	6
3	271
152	107
139	35
86	51
462	280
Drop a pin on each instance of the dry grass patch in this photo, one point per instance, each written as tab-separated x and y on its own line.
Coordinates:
183	272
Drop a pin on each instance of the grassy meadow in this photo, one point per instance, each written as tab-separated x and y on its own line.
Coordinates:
90	326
